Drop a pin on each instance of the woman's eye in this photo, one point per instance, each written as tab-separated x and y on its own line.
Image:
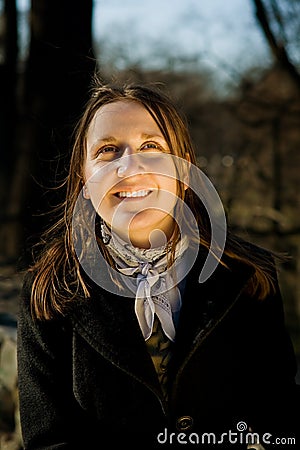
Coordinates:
108	149
107	152
151	146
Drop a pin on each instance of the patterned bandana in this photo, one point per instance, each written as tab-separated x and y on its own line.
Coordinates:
155	285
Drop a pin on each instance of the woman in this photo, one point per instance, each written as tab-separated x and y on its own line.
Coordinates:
139	323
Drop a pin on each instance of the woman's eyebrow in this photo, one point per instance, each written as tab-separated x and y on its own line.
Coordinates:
101	141
152	136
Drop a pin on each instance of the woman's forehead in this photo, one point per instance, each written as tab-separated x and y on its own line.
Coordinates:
123	116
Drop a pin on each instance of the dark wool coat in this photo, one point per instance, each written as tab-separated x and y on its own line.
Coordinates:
86	380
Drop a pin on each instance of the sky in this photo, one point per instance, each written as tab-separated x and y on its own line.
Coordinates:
220	35
216	32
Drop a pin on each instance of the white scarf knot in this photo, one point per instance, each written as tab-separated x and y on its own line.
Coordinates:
156	291
153	297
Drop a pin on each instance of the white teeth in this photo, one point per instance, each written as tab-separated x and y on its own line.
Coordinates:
142	193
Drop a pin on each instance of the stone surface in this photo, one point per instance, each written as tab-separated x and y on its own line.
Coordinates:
10	432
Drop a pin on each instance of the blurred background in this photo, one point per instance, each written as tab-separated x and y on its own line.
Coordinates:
233	68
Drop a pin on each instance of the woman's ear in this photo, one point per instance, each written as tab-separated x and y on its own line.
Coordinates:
186	177
85	192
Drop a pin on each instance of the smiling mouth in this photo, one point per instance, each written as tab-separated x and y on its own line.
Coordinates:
134	194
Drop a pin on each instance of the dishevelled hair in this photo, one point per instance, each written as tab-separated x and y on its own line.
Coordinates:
57	275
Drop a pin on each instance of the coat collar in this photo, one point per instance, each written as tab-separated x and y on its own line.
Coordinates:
216	295
206	304
108	322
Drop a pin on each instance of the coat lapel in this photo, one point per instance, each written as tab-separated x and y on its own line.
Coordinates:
108	323
205	304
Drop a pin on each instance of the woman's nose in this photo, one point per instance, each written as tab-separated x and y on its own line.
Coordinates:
130	163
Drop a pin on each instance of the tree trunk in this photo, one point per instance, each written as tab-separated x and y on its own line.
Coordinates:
8	91
56	81
8	77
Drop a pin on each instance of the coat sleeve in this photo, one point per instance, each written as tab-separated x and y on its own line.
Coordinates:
49	414
276	368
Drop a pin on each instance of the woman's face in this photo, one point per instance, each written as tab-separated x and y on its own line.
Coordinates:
130	174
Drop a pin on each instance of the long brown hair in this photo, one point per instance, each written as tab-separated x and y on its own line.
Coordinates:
58	277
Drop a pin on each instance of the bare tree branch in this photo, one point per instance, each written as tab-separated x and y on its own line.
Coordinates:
277	47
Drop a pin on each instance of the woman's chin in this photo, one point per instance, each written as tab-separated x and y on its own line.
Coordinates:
146	229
